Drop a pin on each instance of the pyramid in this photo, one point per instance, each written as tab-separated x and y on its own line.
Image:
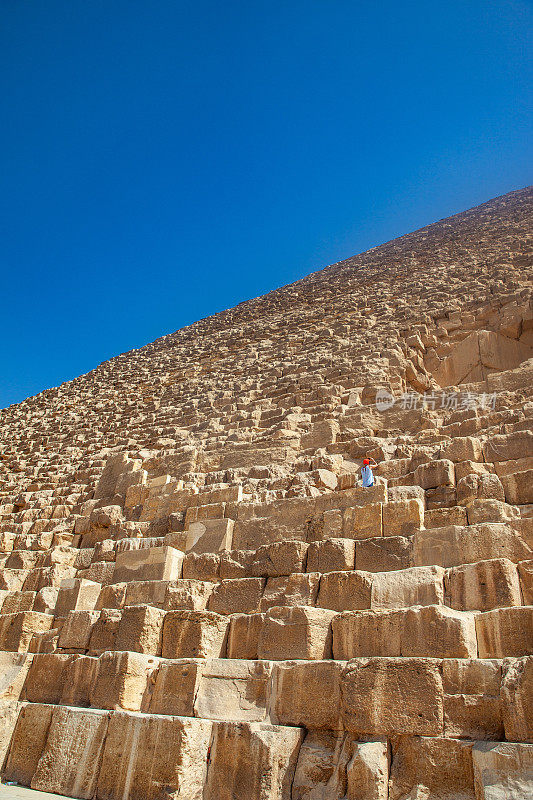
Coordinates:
199	598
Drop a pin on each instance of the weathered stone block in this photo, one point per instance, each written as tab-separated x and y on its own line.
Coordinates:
307	694
386	696
188	595
237	596
80	675
483	585
517	699
402	517
148	564
140	630
28	743
279	558
435	473
384	553
296	632
436	768
452	546
503	770
231	689
122	680
345	591
46	678
105	629
243	635
505	632
331	555
416	586
194	634
362	522
295	590
16	630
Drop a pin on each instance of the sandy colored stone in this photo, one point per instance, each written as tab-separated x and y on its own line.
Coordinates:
384	554
122	680
517	699
295	632
408	587
77	629
232	689
80	675
295	590
194	634
148	564
385	696
140	629
16	630
307	694
237	596
252	760
188	595
243	635
505	632
46	678
483	585
431	767
455	545
503	770
345	591
28	743
279	558
331	555
13	671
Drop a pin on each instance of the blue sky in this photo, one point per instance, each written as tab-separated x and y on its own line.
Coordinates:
162	161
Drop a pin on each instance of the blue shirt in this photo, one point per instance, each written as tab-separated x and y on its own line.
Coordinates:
367	476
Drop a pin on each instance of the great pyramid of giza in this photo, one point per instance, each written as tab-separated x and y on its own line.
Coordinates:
199	598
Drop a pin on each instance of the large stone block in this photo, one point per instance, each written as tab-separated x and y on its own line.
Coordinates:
147	757
472	705
403	517
345	591
518	487
140	630
148	564
243	635
252	760
307	694
295	632
518	444
439	632
367	633
525	570
295	590
232	689
464	448
122	680
16	630
77	629
209	535
72	755
435	473
279	558
175	688
384	554
28	743
105	630
362	522
80	675
146	593
188	595
237	596
76	594
194	634
455	545
483	585
433	768
416	586
505	632
46	677
331	555
392	696
503	770
13	671
517	699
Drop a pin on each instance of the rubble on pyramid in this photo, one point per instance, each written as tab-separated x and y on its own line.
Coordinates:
200	599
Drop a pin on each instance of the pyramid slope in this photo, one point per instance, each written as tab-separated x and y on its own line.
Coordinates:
199	598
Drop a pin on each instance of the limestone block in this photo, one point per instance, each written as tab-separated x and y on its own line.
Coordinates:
18	601
525	571
72	755
150	593
98	572
46	600
434	767
202	566
435	473
402	517
243	635
295	632
13	671
165	756
209	535
279	558
479	486
518	487
517	699
464	448
28	742
194	634
441	497
348	591
491	511
307	694
331	555
80	675
444	517
438	632
231	689
13	579
295	590
472	704
386	696
237	596
122	680
416	586
332	765
483	585
46	678
384	553
176	685
77	629
236	564
16	630
503	770
367	633
76	594
505	632
454	545
140	630
148	564
252	760
518	444
104	634
362	522
9	713
112	596
188	595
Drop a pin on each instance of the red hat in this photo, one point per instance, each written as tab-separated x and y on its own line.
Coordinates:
366	461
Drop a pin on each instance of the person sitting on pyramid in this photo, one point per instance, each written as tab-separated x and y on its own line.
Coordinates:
367	475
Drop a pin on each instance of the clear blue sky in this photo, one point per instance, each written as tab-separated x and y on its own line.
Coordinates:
165	160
